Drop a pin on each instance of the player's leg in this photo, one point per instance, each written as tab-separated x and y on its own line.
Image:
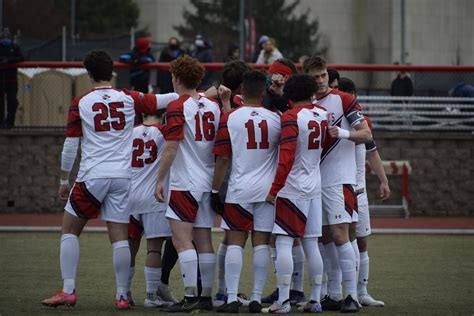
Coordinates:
272	297
153	271
221	285
168	261
353	240
135	231
296	291
324	284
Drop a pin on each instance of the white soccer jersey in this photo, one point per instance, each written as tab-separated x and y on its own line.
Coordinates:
303	130
249	134
148	144
104	119
194	124
338	164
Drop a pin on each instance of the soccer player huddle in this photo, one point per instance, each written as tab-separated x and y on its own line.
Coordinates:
285	150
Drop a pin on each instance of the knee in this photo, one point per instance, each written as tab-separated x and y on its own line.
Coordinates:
362	244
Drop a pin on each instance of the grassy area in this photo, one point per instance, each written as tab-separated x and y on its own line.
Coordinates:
416	275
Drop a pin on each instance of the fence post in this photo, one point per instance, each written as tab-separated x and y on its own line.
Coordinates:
64	44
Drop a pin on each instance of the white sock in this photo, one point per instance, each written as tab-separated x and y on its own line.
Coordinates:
207	267
69	259
152	279
188	263
121	259
131	273
315	267
233	267
273	254
357	257
324	284
298	268
221	252
284	266
334	272
348	268
261	259
363	274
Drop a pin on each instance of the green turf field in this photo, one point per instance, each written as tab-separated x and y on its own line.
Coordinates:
429	275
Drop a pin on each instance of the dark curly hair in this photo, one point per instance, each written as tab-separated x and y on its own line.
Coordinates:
299	87
347	85
233	74
99	65
253	84
188	70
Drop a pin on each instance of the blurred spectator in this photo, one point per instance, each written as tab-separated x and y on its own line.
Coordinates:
259	47
140	54
233	53
9	53
203	52
170	53
333	75
278	73
462	90
269	53
402	85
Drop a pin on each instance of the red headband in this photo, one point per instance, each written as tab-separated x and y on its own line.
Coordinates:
278	68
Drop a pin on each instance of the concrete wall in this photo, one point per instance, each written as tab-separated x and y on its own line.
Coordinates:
363	31
442	182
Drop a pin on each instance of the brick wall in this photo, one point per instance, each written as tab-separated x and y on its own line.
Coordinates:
442	181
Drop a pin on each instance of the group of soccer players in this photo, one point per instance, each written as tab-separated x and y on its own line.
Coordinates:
285	146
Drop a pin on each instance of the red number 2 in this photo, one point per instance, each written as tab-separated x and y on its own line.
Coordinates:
101	123
208	127
139	148
316	131
251	144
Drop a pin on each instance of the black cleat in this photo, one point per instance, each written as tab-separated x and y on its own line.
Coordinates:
349	305
205	303
271	298
329	304
187	305
232	307
296	297
255	307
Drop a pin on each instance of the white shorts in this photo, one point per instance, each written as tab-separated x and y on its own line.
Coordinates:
339	204
108	197
192	207
152	225
258	216
363	225
298	218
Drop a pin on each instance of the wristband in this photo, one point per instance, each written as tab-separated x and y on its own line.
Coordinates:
343	133
63	182
214	191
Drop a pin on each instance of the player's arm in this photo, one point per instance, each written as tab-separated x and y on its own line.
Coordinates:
360	164
376	164
352	112
150	103
288	138
170	150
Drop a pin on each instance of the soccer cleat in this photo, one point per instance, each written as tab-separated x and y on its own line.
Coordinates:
122	303
276	308
349	305
232	307
296	297
328	304
255	307
271	297
311	307
189	304
61	299
166	295
219	300
153	304
130	298
242	298
368	300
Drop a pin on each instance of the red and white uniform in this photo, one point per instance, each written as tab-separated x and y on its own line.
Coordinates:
194	124
297	183
103	118
250	135
338	166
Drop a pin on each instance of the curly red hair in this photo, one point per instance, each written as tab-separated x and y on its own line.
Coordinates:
188	70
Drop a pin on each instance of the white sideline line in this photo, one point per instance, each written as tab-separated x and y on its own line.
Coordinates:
101	229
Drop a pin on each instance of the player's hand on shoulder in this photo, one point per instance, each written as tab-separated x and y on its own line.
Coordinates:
224	93
63	191
211	93
270	199
216	203
160	192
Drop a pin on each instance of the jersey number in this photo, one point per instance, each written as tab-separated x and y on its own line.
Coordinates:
208	128
315	131
139	148
251	144
100	119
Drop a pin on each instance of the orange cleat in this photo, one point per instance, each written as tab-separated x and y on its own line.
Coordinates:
122	303
61	299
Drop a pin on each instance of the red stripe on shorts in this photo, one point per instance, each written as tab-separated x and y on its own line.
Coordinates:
350	199
237	218
83	202
290	218
184	205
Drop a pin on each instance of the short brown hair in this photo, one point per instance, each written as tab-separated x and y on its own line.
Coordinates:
314	62
188	70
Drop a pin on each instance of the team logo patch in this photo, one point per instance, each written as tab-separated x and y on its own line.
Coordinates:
315	114
141	96
254	113
200	105
106	97
146	132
